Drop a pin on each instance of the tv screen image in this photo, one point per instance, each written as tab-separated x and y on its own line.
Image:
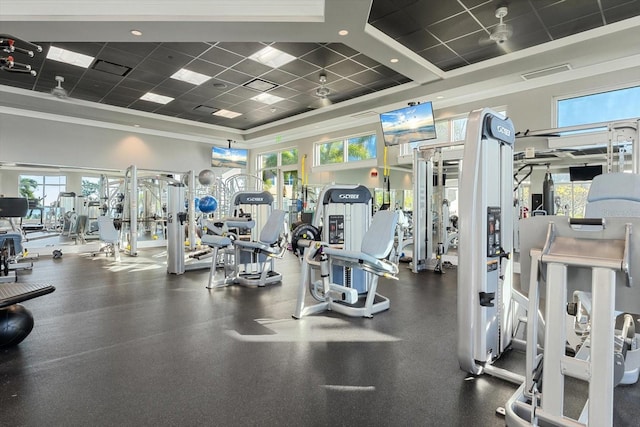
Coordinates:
229	157
409	124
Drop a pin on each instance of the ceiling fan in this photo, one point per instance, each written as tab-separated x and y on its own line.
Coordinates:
59	91
501	32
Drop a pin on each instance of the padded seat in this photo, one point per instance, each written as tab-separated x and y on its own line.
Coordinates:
214	240
614	195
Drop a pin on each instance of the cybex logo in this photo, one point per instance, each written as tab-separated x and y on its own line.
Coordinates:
503	130
349	196
255	199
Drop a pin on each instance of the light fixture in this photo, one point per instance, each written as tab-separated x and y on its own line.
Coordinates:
59	91
226	113
136	125
190	76
267	98
323	91
136	33
69	57
393	60
272	57
439	97
343	32
154	97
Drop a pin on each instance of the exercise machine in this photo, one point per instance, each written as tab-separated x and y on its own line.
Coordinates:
585	269
485	277
348	254
236	239
12	256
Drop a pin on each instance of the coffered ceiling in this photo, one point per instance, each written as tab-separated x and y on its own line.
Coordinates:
393	51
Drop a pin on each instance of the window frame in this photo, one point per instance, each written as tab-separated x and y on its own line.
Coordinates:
345	163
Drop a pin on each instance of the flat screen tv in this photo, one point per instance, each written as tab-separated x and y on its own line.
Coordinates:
409	124
229	157
584	173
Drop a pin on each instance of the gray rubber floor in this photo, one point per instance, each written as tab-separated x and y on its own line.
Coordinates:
127	344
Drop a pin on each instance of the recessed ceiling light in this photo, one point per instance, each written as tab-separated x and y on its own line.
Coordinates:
272	57
154	97
69	57
136	32
267	98
190	76
343	32
136	125
226	113
439	97
393	60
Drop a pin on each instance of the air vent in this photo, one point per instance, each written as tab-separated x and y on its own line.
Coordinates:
260	85
546	72
111	68
205	109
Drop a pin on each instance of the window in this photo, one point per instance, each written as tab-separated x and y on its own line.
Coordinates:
351	149
570	197
45	189
279	172
91	187
448	130
599	107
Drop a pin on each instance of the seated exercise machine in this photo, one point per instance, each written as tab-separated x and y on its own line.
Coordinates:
253	258
351	256
586	270
12	256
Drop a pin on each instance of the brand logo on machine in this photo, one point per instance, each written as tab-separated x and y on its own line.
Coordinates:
255	199
503	130
348	196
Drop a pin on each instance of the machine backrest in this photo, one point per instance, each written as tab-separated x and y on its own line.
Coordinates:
614	195
379	238
107	230
273	227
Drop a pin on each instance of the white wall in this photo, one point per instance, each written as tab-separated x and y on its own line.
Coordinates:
47	142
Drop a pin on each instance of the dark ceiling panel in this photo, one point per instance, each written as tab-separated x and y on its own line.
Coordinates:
342	49
346	68
427	12
559	13
576	25
137	49
278	77
147	77
397	24
241	48
191	49
221	57
457	26
233	76
252	68
418	40
204	67
300	68
323	57
172	59
623	11
296	49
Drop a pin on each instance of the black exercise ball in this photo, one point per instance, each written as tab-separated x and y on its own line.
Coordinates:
16	322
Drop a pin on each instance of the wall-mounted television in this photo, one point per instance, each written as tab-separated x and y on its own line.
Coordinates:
409	124
229	157
584	173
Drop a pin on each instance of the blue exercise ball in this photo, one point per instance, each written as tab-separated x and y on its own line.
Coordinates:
208	204
16	322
